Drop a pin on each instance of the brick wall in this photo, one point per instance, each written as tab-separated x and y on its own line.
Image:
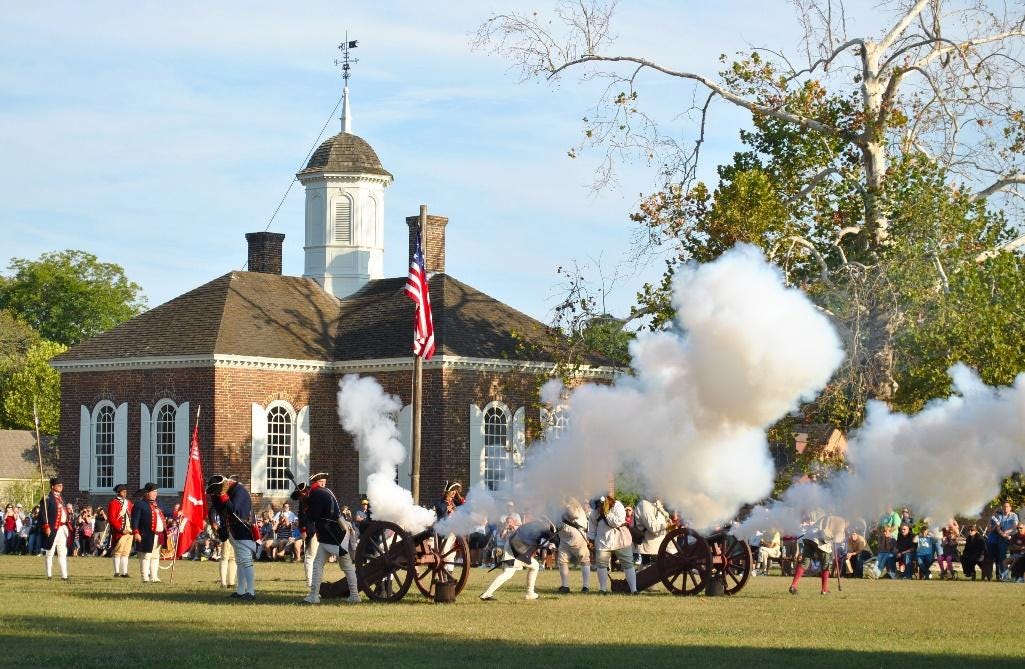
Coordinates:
193	385
434	241
227	395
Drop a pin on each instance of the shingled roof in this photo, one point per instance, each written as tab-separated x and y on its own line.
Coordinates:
345	153
273	316
239	313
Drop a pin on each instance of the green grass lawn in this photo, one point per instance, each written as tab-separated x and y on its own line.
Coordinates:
97	621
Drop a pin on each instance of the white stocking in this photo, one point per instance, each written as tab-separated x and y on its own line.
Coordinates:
603	579
585	573
531	577
499	581
564	574
631	578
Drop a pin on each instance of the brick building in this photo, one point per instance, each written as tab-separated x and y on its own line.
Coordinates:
262	355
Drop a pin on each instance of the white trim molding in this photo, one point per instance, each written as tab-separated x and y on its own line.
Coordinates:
321	366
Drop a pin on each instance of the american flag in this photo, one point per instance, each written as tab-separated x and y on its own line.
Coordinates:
416	288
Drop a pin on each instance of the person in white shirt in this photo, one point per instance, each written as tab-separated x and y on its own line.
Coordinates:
611	537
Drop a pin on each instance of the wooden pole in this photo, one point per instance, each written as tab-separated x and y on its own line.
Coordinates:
418	371
39	452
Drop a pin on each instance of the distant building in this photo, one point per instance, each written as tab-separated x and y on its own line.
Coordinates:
262	354
19	460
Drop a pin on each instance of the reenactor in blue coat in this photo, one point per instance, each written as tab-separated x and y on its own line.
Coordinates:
216	517
149	527
237	514
335	536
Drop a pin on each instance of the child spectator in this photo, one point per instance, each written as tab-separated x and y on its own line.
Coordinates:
926	552
886	558
948	552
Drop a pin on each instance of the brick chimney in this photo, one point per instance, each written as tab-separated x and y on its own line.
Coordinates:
265	251
434	241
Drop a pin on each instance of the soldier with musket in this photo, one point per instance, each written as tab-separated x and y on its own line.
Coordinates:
335	536
149	527
523	543
56	528
236	508
119	515
216	517
307	530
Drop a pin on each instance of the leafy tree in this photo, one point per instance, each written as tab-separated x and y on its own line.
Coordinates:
16	338
69	296
35	383
866	175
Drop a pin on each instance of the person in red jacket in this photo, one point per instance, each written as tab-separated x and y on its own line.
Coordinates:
119	515
56	528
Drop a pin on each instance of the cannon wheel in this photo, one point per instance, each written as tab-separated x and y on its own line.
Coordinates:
684	562
385	558
731	560
440	559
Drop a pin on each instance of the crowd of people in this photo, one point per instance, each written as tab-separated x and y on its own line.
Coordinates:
901	547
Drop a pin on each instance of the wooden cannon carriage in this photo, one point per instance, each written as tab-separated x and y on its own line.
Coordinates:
389	560
688	564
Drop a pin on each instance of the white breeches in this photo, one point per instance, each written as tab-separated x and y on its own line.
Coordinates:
509	572
309	557
60	547
227	565
150	565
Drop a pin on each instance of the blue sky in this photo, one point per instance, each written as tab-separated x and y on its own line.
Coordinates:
155	135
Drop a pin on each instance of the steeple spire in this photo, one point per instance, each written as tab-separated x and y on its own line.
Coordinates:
346	62
346	114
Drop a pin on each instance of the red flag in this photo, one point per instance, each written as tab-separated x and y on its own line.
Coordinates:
416	289
193	511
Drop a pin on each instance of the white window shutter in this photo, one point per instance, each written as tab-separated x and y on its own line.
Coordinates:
302	445
85	449
145	447
405	473
121	444
476	445
258	452
181	445
519	436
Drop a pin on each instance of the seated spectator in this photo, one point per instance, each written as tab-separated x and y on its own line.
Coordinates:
906	547
266	536
282	537
948	551
890	519
856	554
927	548
974	552
769	548
906	518
362	516
886	557
998	539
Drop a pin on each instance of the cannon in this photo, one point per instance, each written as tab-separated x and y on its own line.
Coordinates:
389	561
688	564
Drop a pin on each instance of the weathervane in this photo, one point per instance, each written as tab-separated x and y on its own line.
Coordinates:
346	62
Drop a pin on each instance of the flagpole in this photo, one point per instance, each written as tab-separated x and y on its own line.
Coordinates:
174	554
418	371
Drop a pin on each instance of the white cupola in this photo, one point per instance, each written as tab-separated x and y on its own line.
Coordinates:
345	184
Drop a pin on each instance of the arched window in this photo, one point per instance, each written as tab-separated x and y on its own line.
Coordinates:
497	461
370	223
164	446
343	220
280	444
103	447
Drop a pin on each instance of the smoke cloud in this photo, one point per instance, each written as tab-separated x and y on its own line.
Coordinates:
949	459
366	413
689	424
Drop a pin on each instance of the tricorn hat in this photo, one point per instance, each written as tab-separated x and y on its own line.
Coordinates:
300	488
150	487
56	480
320	476
119	487
214	483
454	485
